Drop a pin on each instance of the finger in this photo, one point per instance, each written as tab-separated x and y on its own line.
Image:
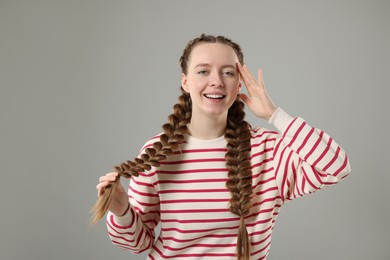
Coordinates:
250	78
249	81
243	73
111	176
260	77
245	98
101	188
115	174
100	192
102	185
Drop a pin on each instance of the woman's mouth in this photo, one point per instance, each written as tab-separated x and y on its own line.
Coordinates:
214	96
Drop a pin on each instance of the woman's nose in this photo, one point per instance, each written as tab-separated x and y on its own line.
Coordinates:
216	80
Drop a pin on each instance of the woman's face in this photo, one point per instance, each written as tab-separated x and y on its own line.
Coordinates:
212	79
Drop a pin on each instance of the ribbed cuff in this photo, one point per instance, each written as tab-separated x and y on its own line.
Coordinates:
124	220
280	119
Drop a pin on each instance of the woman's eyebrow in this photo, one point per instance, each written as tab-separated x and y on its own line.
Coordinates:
229	66
208	65
202	65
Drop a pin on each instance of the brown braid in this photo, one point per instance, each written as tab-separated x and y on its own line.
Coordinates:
237	157
238	137
173	135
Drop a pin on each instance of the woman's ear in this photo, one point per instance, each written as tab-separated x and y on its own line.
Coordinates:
184	82
239	86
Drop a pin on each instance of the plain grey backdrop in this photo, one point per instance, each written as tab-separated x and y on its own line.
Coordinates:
85	83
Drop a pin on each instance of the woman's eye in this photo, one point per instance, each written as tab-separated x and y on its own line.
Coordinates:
202	72
229	73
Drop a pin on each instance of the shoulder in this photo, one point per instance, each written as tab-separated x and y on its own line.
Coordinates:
260	133
150	142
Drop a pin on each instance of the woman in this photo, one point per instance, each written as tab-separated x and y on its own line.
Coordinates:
214	183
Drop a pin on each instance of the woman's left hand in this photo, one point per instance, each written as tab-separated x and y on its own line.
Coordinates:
258	100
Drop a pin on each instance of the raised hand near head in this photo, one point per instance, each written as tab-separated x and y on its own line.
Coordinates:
257	99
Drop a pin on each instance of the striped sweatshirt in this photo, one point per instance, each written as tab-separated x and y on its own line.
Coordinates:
187	194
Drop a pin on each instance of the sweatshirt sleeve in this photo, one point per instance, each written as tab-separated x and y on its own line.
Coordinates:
135	230
306	159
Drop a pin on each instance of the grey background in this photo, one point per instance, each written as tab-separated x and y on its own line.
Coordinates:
85	83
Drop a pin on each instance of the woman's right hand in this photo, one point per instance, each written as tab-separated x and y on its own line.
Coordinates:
120	201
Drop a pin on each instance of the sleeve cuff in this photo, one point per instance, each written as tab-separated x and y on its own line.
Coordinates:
280	119
125	220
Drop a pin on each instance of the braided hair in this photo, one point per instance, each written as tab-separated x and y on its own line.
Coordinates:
237	135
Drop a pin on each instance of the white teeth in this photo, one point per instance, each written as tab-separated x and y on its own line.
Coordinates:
214	96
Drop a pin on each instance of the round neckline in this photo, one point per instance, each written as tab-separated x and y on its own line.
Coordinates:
194	140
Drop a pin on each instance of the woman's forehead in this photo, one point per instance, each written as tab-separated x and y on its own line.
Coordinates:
210	53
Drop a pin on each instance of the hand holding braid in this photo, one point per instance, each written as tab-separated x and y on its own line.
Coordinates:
173	135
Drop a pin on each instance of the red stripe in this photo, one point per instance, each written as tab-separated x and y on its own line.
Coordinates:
296	187
305	140
141	212
198	238
262	172
192	255
193	171
147	174
308	179
188	221
262	249
267	190
277	172
262	152
261	163
126	246
197	245
193	201
263	133
143	193
144	203
194	211
146	248
262	221
266	200
198	230
315	146
342	166
257	214
296	134
140	183
260	233
289	126
272	178
193	191
193	161
285	174
335	157
263	142
120	237
191	181
142	233
112	224
323	153
203	150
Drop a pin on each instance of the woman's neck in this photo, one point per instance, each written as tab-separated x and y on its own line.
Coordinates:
207	128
